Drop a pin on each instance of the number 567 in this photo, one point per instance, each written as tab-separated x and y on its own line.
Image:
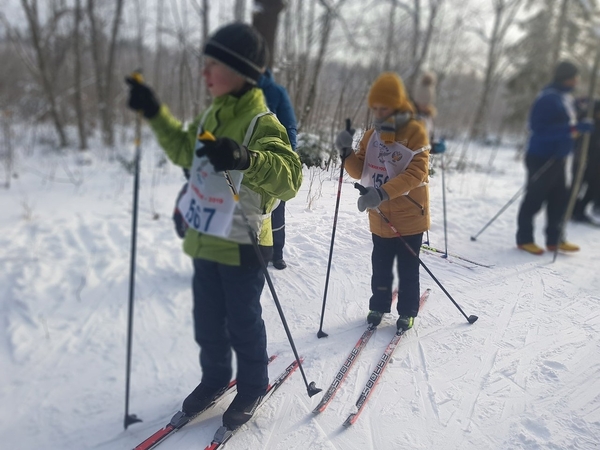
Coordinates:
199	218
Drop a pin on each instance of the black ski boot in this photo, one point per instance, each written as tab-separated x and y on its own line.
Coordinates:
405	323
279	264
240	411
374	317
200	399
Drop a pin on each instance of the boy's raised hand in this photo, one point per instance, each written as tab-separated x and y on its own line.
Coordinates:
141	97
225	154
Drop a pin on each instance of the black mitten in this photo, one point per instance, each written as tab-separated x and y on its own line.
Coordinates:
225	154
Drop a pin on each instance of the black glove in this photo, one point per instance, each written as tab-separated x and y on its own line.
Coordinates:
225	154
141	98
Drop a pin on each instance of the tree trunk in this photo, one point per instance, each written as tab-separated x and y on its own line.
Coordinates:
8	157
422	55
416	31
327	19
77	74
156	80
562	21
387	60
108	112
265	19
492	60
31	12
96	55
239	10
104	73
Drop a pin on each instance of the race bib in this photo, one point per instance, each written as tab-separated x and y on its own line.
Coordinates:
384	161
208	204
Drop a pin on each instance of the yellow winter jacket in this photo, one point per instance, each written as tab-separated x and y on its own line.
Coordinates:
408	213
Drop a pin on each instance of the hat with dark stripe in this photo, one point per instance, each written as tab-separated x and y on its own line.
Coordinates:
240	47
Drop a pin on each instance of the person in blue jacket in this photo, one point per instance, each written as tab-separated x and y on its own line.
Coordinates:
553	131
279	103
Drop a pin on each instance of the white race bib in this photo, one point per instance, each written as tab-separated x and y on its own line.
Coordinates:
384	161
208	204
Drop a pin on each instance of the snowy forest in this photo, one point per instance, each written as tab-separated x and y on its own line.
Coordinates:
64	61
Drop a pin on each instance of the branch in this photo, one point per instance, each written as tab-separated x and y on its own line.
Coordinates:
404	6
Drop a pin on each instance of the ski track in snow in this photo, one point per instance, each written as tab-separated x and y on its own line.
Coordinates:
524	376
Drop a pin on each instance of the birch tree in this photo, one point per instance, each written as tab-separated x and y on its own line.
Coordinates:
504	15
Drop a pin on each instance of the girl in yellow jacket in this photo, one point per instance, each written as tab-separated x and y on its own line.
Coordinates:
392	163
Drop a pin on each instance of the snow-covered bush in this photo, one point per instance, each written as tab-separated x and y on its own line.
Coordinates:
313	151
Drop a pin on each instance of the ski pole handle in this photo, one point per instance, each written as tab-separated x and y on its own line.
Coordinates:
348	125
361	188
206	136
137	76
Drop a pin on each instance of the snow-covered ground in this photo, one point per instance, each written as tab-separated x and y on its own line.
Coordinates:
526	375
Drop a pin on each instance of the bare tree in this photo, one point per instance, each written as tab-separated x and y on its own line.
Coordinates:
387	60
504	14
104	65
265	19
239	10
421	49
77	75
203	11
8	147
43	71
562	20
327	22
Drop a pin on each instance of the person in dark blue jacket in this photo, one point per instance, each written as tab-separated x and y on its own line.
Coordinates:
279	103
590	184
553	130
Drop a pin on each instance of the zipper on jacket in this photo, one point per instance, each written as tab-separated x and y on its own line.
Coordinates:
417	204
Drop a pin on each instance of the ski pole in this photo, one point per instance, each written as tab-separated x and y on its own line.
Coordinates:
516	196
471	319
132	418
311	387
444	208
321	333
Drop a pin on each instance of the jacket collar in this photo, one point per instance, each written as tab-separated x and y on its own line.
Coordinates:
230	106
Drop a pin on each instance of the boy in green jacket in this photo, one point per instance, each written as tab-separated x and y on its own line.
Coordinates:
253	147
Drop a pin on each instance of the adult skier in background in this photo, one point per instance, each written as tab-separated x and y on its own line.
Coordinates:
254	148
590	186
279	103
424	97
553	130
392	163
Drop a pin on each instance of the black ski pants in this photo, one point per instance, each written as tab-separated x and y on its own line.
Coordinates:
385	251
590	186
545	185
227	315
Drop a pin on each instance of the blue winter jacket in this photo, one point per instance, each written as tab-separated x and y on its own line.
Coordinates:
279	103
551	123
